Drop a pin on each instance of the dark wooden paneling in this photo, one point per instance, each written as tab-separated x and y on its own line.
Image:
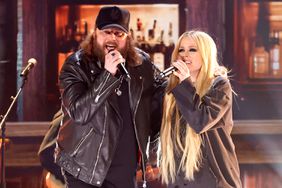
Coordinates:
261	176
8	54
23	169
24	177
35	44
208	16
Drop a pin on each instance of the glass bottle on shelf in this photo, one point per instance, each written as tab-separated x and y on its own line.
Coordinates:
259	64
274	53
159	53
132	33
139	31
85	29
170	45
170	34
280	44
151	32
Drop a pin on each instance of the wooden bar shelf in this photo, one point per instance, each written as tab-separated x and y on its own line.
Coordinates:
256	141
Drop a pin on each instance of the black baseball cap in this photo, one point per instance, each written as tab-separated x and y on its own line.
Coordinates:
113	17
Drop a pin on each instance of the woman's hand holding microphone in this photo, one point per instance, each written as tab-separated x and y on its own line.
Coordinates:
182	71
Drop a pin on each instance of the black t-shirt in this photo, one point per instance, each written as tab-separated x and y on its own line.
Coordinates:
124	164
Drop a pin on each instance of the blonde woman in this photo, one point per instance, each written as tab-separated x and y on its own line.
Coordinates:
197	149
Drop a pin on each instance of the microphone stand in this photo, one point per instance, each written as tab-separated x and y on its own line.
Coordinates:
3	129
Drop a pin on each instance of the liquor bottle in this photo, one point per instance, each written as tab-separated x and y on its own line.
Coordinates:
151	32
85	28
139	32
139	24
170	35
259	65
159	53
170	46
132	33
274	53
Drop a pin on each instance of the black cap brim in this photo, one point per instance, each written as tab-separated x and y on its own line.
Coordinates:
114	25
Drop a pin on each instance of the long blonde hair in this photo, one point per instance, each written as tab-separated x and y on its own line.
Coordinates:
176	140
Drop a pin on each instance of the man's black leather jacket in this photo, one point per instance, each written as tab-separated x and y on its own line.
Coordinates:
91	126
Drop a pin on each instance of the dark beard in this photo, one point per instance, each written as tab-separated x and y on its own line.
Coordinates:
98	51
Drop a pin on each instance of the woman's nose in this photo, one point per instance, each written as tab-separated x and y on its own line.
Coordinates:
187	53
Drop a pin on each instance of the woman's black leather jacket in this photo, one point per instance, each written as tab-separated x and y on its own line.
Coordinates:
91	125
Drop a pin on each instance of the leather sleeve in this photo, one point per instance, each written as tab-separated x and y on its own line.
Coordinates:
206	113
81	97
156	107
158	91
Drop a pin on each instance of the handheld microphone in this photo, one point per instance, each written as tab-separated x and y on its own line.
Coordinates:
31	63
123	69
167	72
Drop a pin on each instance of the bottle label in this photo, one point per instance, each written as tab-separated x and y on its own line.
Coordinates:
274	54
159	60
260	65
275	66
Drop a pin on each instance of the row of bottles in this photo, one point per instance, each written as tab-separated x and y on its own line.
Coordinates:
266	60
72	35
152	35
156	41
69	38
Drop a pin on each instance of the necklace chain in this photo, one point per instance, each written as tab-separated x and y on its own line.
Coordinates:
117	90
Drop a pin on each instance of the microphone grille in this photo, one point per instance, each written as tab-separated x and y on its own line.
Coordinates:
32	61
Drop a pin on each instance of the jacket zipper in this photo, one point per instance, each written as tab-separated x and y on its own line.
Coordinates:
135	129
81	141
100	88
100	146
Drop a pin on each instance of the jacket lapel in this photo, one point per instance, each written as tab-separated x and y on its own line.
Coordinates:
114	103
135	89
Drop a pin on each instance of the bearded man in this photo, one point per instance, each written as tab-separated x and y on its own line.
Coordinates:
111	105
